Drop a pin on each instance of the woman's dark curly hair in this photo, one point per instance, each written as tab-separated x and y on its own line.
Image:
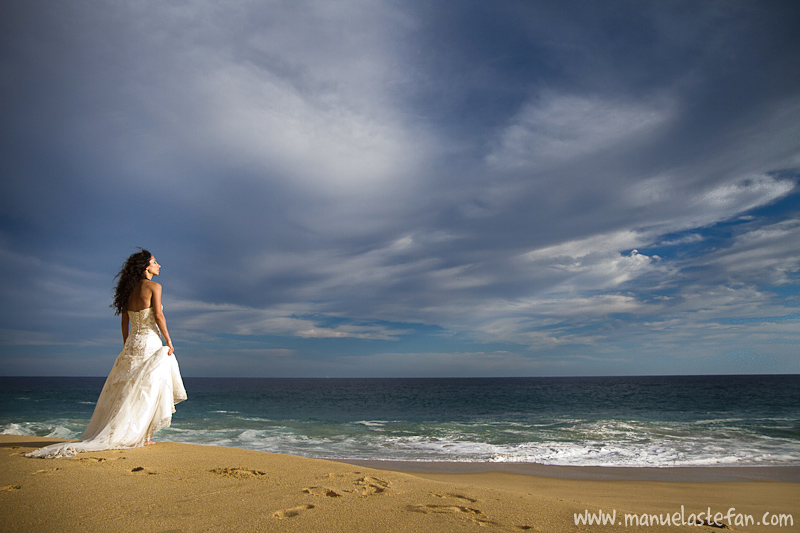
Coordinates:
129	275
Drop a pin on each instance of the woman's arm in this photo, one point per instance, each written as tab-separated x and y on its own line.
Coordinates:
161	320
125	325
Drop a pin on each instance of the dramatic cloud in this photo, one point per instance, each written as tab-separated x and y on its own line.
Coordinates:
385	189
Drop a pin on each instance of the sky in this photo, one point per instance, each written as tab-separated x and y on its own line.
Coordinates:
414	188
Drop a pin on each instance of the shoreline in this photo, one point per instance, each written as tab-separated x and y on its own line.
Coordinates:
172	486
709	473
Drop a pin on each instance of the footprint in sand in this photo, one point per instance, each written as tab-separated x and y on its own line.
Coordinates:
289	513
368	486
455	496
141	469
98	459
364	485
239	472
47	471
460	511
321	491
340	475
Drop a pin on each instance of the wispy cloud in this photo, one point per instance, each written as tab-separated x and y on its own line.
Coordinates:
554	128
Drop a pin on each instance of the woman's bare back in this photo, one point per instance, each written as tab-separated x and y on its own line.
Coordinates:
141	297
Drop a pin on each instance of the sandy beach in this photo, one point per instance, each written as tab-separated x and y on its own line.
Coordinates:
182	487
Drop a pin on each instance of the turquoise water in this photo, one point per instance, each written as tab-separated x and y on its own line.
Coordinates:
605	421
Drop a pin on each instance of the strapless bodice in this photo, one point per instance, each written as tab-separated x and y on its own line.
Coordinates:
143	320
144	337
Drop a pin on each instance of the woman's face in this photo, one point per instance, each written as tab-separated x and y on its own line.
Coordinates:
153	267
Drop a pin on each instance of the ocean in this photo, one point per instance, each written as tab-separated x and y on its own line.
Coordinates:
591	421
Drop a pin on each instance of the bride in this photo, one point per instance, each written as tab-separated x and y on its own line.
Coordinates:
141	391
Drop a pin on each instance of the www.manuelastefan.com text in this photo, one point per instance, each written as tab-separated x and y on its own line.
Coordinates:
682	518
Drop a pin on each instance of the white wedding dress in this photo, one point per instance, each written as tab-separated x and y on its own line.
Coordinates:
138	398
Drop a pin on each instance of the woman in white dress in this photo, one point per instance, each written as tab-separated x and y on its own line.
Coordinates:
141	391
